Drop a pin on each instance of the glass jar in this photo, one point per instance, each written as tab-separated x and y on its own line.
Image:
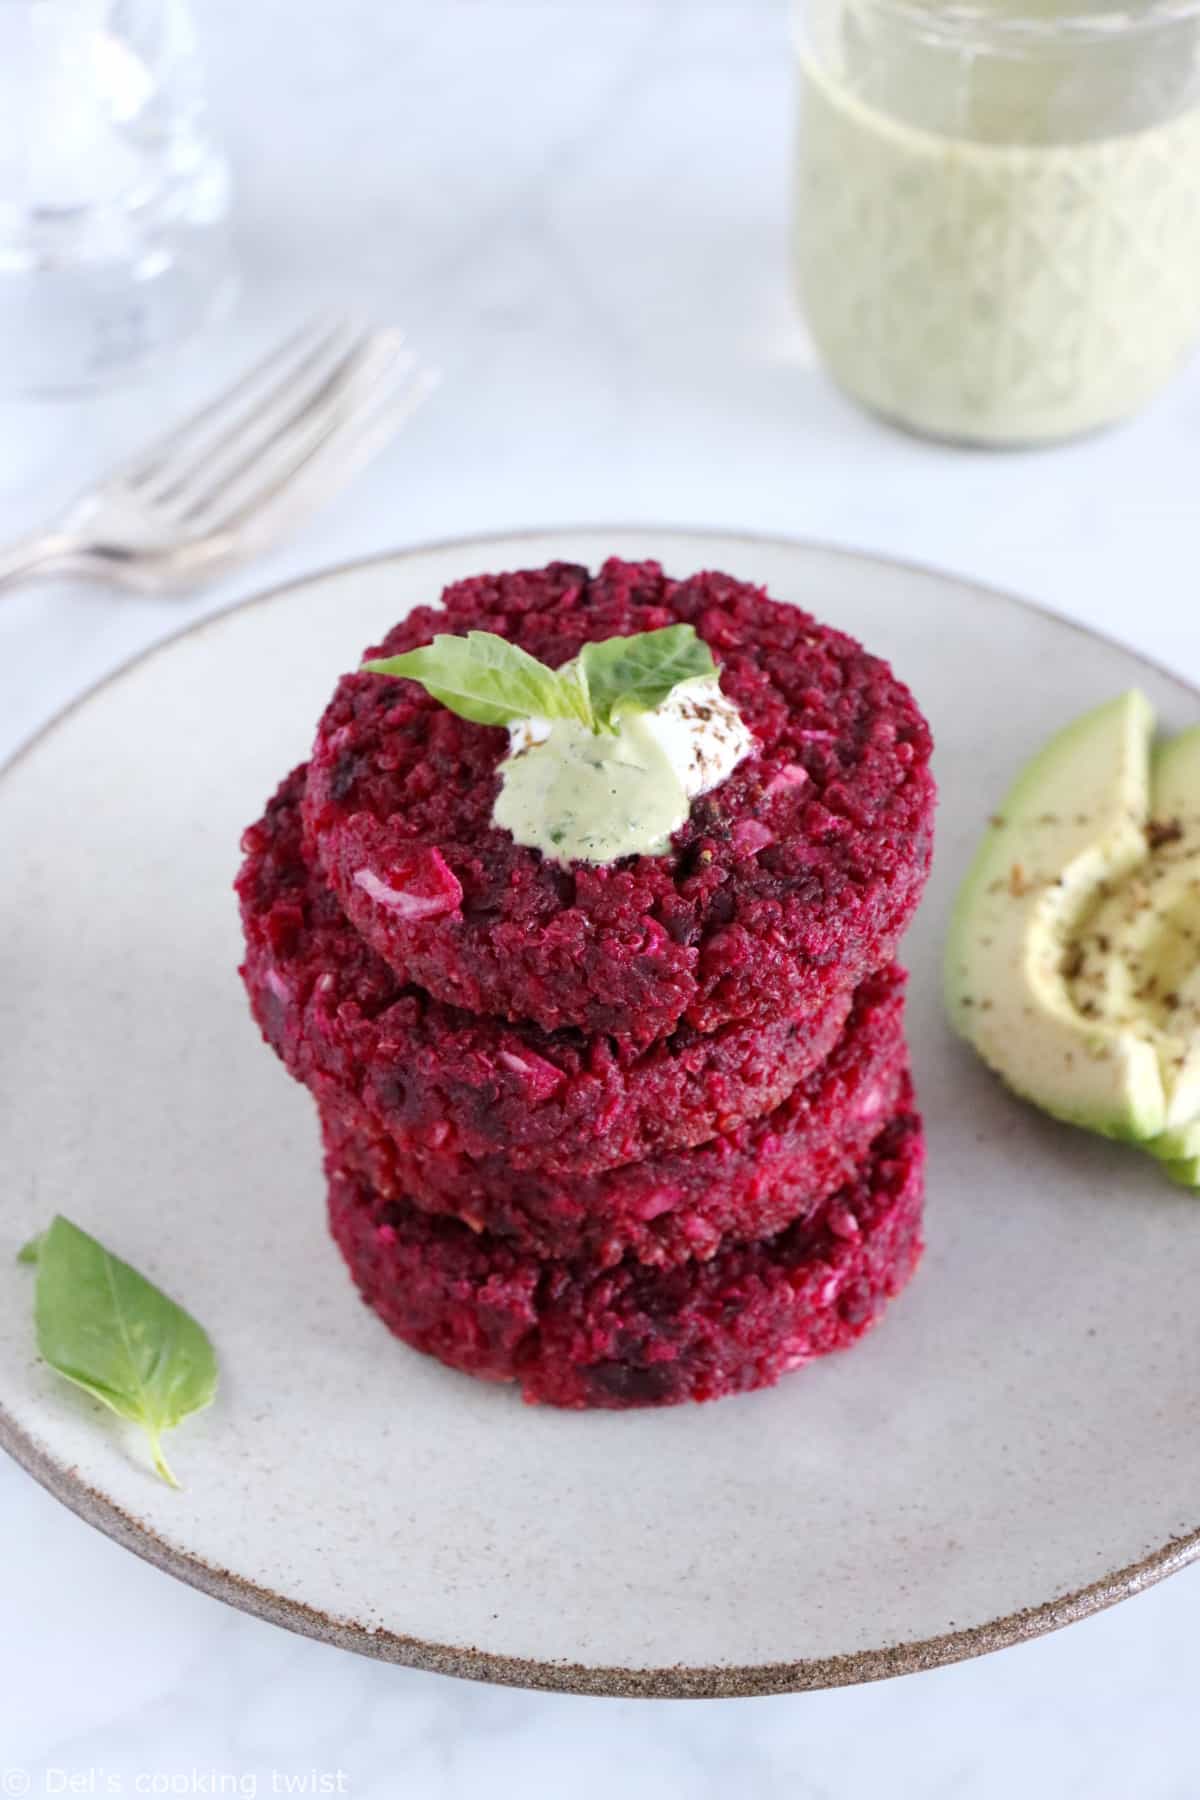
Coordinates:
998	209
114	198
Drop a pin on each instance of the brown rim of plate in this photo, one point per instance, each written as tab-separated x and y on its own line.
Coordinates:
674	1682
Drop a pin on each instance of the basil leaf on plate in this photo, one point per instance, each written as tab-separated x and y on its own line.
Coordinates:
639	672
118	1337
485	678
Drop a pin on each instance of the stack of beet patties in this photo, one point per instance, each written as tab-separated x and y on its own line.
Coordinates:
625	1134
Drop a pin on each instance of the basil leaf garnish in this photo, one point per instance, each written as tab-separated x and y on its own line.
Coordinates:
639	672
485	678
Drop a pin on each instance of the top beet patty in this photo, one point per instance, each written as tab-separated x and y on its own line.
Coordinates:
789	882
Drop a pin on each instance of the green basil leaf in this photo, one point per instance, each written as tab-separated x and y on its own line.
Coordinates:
119	1338
485	678
28	1253
639	672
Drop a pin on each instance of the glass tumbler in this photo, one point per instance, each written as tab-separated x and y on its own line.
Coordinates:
997	232
114	200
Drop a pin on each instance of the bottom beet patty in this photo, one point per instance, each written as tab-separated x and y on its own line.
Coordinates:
573	1335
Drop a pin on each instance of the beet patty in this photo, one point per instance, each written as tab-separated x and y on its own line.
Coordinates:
788	884
631	1336
677	1206
440	1080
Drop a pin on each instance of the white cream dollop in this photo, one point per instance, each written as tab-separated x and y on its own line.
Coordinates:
580	796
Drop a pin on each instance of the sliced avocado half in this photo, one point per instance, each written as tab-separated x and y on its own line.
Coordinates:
1072	823
1073	964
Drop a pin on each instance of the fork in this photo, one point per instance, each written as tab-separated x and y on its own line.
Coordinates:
227	482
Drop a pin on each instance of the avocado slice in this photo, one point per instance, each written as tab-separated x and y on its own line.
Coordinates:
1071	829
1152	969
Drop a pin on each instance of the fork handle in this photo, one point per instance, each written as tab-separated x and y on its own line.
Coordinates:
39	555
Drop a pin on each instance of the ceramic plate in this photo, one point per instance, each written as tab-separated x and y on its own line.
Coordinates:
1014	1446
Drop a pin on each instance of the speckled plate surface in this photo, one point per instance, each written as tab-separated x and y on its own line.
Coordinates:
1016	1444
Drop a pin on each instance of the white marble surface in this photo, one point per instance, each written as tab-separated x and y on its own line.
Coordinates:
580	211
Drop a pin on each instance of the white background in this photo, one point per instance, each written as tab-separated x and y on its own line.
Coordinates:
579	210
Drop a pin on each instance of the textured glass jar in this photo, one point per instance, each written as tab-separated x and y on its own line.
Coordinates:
998	211
114	198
